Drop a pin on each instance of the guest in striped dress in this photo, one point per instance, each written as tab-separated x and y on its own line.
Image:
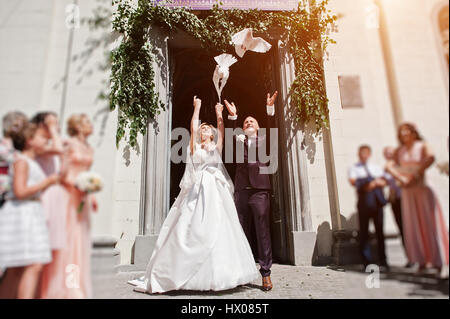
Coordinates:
12	122
24	243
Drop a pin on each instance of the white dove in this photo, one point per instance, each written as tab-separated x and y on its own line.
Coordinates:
222	71
244	41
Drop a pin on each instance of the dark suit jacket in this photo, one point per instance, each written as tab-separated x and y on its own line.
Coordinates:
248	174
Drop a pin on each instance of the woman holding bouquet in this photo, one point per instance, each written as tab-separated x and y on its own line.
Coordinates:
425	233
55	199
70	275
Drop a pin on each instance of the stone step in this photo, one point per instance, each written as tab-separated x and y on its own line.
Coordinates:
105	257
346	250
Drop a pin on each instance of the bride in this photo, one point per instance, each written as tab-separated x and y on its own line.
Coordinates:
202	245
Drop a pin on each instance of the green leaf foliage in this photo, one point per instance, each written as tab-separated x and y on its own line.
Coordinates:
304	31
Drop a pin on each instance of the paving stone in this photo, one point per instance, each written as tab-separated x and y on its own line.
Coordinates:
301	282
292	282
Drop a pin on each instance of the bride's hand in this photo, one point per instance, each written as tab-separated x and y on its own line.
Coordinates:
231	108
197	102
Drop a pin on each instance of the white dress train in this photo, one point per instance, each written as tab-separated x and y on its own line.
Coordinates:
202	245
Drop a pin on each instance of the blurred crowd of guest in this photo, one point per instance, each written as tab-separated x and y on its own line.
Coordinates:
45	240
416	209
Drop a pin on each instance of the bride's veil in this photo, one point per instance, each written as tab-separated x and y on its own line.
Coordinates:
189	172
192	172
221	167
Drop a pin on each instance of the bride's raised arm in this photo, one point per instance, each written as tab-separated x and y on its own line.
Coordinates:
195	122
220	127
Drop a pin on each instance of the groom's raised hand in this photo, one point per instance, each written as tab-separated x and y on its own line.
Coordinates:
271	99
231	108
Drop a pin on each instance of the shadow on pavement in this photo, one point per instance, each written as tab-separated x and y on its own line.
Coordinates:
191	293
427	283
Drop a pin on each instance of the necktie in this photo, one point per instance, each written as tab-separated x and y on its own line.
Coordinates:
367	171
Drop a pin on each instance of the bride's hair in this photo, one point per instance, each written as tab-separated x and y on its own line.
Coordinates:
213	129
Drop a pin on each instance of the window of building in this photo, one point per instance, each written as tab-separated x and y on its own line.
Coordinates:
350	91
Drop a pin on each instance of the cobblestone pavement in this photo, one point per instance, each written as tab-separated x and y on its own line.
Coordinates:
296	282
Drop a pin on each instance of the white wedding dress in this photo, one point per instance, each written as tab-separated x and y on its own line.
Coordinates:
201	245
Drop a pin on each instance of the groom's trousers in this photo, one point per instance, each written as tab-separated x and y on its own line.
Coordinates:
253	208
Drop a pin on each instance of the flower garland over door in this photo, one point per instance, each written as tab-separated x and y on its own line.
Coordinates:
304	31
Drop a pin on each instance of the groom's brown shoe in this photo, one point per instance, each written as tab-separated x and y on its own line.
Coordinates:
267	283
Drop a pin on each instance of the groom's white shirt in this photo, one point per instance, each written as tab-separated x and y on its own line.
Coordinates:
271	110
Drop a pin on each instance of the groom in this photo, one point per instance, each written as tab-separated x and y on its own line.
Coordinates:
252	191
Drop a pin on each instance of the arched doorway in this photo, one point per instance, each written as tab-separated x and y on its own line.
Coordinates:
293	239
191	70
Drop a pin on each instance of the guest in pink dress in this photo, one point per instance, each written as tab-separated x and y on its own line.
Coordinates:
55	198
426	236
70	275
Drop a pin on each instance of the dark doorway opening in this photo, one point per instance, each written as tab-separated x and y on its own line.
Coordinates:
251	78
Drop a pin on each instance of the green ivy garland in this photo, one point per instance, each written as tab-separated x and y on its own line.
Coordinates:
133	92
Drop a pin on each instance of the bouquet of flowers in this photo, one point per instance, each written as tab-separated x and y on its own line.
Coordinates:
88	182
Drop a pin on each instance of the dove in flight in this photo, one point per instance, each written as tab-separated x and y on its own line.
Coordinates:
244	41
222	71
